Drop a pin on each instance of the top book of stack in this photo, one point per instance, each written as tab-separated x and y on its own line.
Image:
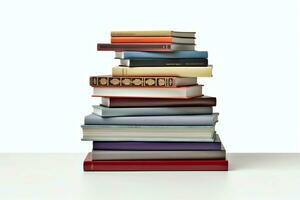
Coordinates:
149	41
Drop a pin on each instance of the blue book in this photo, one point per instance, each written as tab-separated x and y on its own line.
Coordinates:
160	55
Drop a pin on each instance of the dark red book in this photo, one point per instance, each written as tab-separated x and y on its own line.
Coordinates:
154	165
144	47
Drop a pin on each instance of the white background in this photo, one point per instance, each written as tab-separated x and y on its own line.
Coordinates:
48	52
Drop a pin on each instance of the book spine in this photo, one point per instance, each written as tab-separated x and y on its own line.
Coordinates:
130	47
163	71
176	54
157	165
96	81
141	39
140	33
167	62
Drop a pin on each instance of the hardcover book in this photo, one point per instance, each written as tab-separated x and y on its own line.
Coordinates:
148	146
182	62
114	102
149	92
150	111
144	47
122	81
167	33
160	55
154	165
148	133
148	155
149	39
195	71
172	120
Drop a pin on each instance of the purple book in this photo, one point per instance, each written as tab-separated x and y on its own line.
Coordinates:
216	145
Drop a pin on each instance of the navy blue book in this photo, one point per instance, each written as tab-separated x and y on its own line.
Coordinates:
160	55
159	146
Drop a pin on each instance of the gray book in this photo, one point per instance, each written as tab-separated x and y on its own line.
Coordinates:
148	155
148	133
176	120
150	111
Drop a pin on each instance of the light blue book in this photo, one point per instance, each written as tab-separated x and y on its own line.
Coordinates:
160	55
175	120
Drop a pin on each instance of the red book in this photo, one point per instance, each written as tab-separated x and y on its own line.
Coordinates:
155	39
144	47
154	165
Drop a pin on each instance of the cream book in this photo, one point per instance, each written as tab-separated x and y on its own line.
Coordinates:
149	92
194	71
153	33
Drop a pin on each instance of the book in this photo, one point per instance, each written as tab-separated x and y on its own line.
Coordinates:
195	71
160	55
164	62
150	111
148	133
153	165
149	92
165	155
122	81
144	47
148	146
114	102
149	39
167	33
172	120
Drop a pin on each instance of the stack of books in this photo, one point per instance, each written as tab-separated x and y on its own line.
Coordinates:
153	114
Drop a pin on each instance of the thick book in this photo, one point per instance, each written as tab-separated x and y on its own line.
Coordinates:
181	62
165	155
160	55
122	81
149	39
157	102
148	133
172	120
144	47
166	33
149	92
150	111
153	165
148	146
187	71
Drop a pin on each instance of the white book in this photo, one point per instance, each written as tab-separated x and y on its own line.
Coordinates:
179	92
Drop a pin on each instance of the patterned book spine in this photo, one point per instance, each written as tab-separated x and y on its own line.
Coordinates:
104	81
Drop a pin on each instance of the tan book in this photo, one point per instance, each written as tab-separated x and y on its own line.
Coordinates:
163	71
109	81
168	33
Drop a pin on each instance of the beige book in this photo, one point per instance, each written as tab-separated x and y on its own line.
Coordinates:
153	33
163	71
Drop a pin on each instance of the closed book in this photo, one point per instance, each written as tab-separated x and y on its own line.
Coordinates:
187	71
150	111
148	133
167	33
126	145
122	81
144	47
149	39
154	165
160	55
165	155
164	62
149	92
172	120
157	102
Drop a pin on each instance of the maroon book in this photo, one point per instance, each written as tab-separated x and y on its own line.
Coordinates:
154	165
154	102
144	47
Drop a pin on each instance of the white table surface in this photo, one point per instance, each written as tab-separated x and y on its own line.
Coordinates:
60	176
